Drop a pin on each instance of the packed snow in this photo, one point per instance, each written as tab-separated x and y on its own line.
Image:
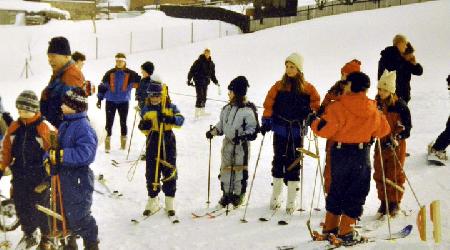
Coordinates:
326	44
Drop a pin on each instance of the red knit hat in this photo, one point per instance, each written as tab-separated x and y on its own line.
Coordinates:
350	67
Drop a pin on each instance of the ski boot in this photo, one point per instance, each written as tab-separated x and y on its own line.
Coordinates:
152	206
381	210
350	239
107	144
394	209
236	200
291	204
28	241
169	205
123	142
275	200
223	202
45	244
91	245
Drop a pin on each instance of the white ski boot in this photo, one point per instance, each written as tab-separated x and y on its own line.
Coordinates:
275	200
152	206
291	204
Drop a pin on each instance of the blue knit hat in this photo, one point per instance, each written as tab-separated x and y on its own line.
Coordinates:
154	89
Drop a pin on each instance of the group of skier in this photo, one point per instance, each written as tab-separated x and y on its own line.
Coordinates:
349	120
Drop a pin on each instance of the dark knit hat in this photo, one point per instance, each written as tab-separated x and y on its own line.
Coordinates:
154	89
239	86
59	45
148	67
360	81
76	99
28	101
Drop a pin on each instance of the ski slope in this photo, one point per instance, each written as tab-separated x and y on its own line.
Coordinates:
326	44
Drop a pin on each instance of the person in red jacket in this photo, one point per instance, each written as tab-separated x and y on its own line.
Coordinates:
393	145
341	87
286	107
23	149
351	122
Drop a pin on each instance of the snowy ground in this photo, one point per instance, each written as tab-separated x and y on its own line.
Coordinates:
326	44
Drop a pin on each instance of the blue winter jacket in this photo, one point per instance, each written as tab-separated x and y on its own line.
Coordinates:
78	140
68	77
117	84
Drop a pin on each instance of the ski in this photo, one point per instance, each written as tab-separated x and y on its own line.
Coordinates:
204	212
218	213
285	221
111	193
403	233
268	216
173	218
143	217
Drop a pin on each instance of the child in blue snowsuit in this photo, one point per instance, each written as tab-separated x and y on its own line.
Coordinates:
152	119
77	147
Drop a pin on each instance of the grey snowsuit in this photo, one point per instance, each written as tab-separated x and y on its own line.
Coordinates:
244	121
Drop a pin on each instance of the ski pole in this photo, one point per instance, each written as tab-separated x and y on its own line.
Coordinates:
316	143
233	161
407	180
384	186
209	167
6	244
253	179
132	131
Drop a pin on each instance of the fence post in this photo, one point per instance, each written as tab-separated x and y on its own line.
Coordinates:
162	37
131	42
96	47
192	32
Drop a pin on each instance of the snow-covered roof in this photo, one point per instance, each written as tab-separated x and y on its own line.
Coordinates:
31	7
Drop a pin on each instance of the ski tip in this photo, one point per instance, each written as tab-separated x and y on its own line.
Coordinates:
282	222
263	219
244	221
134	221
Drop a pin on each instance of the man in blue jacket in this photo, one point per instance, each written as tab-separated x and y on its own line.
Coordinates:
116	89
77	143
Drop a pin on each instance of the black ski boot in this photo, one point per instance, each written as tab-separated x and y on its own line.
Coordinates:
382	209
352	238
91	245
224	201
71	243
394	208
235	200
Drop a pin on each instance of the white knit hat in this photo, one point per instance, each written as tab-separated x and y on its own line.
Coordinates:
387	81
296	59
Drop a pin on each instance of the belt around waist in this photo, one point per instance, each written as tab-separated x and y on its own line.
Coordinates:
361	145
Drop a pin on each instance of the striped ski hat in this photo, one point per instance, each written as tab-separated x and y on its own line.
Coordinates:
76	99
28	101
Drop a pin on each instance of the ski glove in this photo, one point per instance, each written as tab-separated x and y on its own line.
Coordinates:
310	118
99	104
241	138
266	125
168	119
211	133
190	83
55	156
145	124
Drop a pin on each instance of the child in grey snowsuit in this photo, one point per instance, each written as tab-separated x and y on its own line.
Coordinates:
239	123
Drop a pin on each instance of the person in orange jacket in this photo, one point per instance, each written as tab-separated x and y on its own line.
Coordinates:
286	107
341	87
351	122
393	145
